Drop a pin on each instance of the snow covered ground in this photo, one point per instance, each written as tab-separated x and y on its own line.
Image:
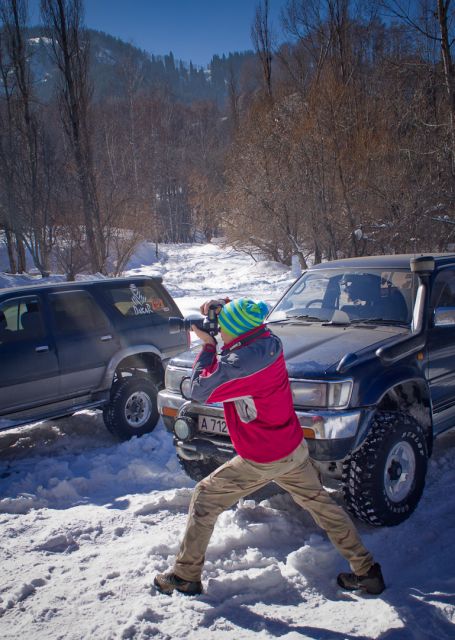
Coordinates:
86	522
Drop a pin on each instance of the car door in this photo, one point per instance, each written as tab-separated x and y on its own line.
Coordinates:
441	350
85	340
29	372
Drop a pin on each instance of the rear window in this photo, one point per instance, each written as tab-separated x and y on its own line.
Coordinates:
140	300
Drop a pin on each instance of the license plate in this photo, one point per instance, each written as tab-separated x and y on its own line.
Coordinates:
210	424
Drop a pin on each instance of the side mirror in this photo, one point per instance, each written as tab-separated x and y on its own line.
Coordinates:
444	317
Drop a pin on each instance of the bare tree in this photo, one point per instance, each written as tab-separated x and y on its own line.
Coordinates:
261	36
234	98
63	19
33	152
10	219
341	163
433	23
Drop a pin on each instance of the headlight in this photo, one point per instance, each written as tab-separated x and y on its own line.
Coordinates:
185	428
330	395
185	388
174	376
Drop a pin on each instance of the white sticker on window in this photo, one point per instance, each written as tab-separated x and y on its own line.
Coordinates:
140	304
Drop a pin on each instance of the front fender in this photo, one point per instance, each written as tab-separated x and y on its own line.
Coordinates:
373	385
406	390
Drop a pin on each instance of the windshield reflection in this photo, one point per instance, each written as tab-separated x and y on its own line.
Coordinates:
350	297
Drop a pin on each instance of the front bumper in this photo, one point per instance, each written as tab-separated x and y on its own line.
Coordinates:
330	435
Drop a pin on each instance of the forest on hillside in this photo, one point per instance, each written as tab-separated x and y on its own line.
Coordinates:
338	140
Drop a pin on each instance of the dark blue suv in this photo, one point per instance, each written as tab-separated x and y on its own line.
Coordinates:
370	350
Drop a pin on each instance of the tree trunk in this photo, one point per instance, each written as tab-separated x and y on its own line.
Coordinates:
10	250
449	73
64	21
262	39
21	257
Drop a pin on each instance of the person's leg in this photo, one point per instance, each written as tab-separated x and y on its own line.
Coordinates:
213	495
304	485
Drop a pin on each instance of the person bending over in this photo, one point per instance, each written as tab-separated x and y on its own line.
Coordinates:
250	378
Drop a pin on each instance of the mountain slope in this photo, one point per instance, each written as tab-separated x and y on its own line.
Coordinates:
117	66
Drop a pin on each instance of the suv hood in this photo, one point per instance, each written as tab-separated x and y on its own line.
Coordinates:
313	349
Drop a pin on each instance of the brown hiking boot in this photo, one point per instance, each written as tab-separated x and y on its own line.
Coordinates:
169	582
371	582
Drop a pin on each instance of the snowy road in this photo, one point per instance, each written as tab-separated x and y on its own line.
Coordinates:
86	522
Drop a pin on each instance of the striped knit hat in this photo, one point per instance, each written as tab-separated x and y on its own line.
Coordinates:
240	316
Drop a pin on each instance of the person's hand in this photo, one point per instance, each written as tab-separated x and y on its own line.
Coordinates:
204	308
203	335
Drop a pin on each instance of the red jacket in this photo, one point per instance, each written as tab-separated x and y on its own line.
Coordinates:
251	380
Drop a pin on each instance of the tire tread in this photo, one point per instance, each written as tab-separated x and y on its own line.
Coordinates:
113	412
362	496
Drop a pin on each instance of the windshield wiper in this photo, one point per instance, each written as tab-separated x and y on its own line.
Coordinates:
378	321
307	317
299	317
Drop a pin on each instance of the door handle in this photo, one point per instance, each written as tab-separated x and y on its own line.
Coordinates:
41	349
106	338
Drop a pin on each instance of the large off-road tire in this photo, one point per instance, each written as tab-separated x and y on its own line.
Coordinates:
200	469
133	409
383	480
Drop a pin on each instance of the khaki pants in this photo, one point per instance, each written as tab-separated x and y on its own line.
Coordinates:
238	478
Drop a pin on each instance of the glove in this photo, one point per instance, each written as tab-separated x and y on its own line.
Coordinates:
204	308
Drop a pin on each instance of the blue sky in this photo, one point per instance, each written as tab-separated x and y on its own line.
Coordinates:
191	29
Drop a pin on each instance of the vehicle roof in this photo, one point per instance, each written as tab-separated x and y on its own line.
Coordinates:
395	261
78	284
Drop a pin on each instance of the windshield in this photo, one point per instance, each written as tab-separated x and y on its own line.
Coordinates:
350	296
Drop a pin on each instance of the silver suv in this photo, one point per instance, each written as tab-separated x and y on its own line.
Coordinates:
98	344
